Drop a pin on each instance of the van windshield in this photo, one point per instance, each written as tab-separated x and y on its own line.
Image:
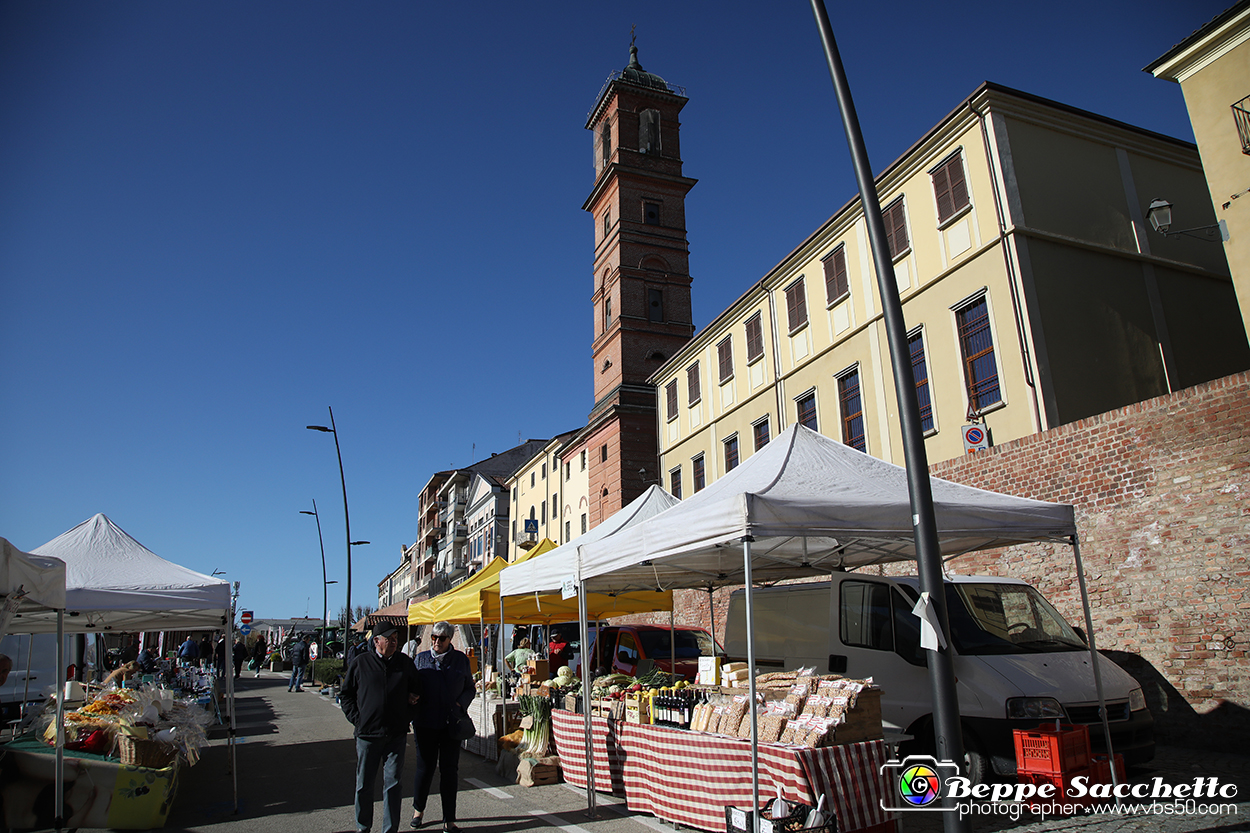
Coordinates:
1006	619
689	644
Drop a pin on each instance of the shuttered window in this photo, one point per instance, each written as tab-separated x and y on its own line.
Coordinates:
755	338
836	287
796	305
976	344
725	358
761	433
950	188
896	227
806	410
852	407
693	392
920	373
670	396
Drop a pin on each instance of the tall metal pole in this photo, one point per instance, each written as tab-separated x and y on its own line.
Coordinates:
347	521
325	598
928	553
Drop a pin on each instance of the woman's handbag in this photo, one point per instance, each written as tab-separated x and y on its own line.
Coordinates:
463	728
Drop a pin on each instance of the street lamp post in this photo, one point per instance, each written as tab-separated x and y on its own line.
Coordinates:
347	521
325	600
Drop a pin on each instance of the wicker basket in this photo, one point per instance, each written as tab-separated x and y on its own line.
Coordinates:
143	752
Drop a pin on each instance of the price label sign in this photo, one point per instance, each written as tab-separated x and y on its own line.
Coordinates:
568	590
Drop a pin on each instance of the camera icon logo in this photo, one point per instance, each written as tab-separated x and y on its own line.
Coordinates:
916	782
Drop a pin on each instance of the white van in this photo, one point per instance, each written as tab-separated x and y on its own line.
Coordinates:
1017	662
33	677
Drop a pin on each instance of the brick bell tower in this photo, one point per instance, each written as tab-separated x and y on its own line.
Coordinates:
641	288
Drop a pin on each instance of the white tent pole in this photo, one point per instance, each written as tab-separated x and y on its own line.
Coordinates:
584	633
1093	655
755	733
672	644
60	718
481	649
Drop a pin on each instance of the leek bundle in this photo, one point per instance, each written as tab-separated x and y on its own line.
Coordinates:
536	730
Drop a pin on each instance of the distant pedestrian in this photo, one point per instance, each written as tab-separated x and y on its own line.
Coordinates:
188	652
131	651
239	655
219	656
377	696
259	653
206	651
299	661
412	646
446	691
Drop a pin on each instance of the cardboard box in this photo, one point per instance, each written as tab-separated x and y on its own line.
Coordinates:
539	669
862	722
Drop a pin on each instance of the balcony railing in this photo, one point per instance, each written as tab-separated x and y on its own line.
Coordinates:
1241	114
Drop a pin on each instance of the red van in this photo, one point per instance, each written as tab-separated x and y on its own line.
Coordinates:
623	648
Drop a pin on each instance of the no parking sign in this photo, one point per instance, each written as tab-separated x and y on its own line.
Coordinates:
976	438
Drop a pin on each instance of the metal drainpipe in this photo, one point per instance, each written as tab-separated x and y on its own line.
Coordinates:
778	384
1017	310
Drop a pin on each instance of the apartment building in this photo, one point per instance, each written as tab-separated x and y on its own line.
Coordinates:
536	491
1212	67
1034	292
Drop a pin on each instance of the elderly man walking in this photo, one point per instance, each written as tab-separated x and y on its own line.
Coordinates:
378	693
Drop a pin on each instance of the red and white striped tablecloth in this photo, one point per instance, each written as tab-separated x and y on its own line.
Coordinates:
690	778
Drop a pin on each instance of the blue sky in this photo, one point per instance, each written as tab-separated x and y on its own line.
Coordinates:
219	218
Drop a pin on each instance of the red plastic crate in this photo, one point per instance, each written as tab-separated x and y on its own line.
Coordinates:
1061	782
1052	749
1100	769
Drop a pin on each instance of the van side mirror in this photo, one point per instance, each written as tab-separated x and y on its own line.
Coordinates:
1081	633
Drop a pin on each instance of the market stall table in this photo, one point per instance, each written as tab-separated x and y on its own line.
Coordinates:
101	792
691	777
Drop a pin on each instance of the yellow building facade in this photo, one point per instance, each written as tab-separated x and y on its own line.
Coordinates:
1212	67
1032	295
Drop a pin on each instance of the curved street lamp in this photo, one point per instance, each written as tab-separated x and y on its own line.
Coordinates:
347	522
325	601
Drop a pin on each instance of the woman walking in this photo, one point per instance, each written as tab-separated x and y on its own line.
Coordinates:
447	690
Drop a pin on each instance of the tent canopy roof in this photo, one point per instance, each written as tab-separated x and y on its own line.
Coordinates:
548	573
115	583
810	504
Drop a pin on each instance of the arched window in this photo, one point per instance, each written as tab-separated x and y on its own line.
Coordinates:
649	132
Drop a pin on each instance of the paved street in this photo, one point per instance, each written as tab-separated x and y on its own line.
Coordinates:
296	762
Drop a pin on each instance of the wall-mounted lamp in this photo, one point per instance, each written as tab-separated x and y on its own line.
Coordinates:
1160	216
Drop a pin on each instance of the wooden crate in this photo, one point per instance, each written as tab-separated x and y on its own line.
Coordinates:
862	722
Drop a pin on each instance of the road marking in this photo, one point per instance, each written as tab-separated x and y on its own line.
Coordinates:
483	786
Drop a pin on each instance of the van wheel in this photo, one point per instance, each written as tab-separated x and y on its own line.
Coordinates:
976	762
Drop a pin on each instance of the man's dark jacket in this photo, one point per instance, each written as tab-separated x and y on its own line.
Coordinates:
374	695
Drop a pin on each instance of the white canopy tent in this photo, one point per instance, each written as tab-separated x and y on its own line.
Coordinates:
804	505
29	584
810	504
548	572
115	583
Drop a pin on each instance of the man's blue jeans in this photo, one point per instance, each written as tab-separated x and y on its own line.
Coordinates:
369	753
297	677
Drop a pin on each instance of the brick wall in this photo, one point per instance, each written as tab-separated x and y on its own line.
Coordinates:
1162	497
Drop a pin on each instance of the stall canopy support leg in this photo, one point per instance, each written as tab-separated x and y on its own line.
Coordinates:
1093	656
591	811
